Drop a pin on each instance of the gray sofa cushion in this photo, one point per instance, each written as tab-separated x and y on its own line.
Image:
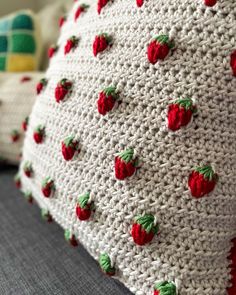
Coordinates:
35	258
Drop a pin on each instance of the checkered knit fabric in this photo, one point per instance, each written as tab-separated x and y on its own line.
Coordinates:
131	142
19	42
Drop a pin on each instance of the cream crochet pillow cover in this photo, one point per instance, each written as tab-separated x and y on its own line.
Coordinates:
17	96
131	142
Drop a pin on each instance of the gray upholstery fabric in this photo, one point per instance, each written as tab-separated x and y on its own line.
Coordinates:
35	258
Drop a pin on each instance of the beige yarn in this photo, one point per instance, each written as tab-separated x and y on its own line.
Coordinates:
195	237
16	101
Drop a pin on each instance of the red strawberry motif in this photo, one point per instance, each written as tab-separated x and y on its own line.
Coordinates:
25	79
62	20
28	196
107	100
144	229
125	164
28	170
62	89
82	8
202	181
232	290
101	4
233	62
25	123
71	43
210	3
139	3
180	113
46	215
48	187
101	42
84	207
68	147
70	238
52	50
41	85
165	288
39	134
106	264
159	48
17	181
15	135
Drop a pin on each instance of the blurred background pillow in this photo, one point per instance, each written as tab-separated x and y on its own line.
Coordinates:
49	17
17	95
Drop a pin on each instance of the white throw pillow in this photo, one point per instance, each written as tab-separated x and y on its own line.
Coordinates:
132	142
17	96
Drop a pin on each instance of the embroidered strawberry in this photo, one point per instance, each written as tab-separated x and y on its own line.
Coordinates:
41	85
72	42
82	8
159	48
70	238
180	113
46	215
48	187
139	3
15	135
39	134
28	169
144	229
125	164
210	3
25	123
62	20
62	89
17	180
68	147
28	196
106	264
84	207
107	100
165	288
101	42
202	181
101	4
25	79
233	62
52	50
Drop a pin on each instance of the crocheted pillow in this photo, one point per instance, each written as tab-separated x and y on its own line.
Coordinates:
131	142
17	96
19	42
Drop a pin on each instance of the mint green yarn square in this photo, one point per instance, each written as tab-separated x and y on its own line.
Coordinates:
4	26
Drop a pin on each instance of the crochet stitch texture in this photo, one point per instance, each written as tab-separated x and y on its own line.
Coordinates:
190	249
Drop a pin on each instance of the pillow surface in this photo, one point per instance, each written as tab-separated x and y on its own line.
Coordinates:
131	142
17	96
19	42
49	17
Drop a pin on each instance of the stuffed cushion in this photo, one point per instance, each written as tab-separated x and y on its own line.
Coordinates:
49	17
17	96
19	42
131	142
